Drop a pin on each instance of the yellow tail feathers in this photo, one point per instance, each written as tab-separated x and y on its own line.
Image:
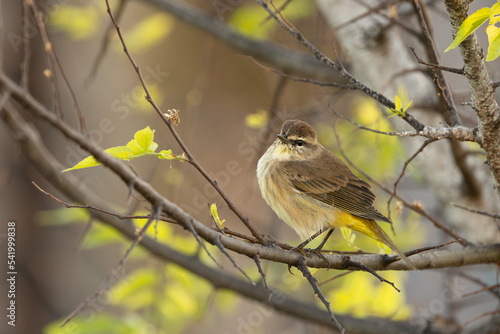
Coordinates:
373	230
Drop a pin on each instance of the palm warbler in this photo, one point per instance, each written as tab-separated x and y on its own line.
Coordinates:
312	190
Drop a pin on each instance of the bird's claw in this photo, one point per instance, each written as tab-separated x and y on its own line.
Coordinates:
307	251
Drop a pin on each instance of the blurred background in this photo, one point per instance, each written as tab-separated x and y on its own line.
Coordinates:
231	110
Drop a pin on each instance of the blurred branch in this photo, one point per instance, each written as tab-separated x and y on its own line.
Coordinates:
53	62
287	60
440	81
484	213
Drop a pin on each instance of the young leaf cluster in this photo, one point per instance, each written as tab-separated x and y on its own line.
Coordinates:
399	109
474	21
141	145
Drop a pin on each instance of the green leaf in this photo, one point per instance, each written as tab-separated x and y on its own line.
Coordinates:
495	10
167	154
407	106
215	216
85	163
399	109
134	147
397	102
144	139
494	42
469	25
119	152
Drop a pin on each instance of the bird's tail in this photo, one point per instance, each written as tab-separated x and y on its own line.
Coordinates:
373	230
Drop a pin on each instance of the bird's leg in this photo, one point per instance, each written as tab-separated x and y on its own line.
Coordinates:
318	249
300	247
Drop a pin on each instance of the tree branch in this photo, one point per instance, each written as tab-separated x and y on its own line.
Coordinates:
482	91
287	60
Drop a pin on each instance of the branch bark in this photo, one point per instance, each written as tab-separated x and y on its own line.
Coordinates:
482	90
288	60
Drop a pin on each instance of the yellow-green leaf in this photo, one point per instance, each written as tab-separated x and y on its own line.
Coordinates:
495	10
120	152
407	106
85	163
215	215
167	154
397	102
134	147
494	42
469	25
144	139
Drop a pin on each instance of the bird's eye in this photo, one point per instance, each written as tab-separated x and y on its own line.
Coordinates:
300	142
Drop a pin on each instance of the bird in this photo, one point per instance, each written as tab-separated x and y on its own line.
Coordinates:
312	190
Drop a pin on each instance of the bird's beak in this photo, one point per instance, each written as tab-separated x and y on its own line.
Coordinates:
283	139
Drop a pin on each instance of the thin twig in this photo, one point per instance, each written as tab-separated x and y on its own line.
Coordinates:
25	67
336	276
191	228
349	263
481	316
105	42
49	51
256	259
405	165
221	247
437	66
487	288
441	83
475	280
170	125
306	80
301	265
426	249
479	212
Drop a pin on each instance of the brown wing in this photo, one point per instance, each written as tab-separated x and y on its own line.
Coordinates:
333	183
